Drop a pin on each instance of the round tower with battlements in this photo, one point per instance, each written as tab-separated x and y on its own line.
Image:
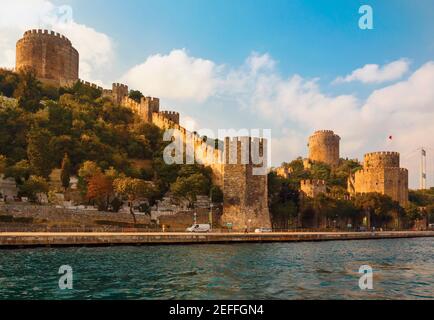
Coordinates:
324	147
50	55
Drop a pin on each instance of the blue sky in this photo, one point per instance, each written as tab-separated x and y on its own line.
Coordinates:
291	66
313	38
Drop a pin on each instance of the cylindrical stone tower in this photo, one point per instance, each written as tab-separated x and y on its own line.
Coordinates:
50	55
324	147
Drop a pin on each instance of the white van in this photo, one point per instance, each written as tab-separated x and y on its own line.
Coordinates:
199	228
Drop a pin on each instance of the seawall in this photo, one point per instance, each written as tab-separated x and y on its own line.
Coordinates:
29	239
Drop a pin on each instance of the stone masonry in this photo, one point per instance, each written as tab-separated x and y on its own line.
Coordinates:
245	193
324	147
381	173
312	188
50	55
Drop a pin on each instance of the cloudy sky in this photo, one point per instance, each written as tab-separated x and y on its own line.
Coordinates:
290	66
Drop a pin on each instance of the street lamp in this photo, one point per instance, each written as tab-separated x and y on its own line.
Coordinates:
211	207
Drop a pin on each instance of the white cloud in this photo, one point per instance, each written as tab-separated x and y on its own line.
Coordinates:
297	107
95	48
373	73
175	76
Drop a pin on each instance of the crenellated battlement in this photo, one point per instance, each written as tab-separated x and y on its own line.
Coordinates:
312	182
171	115
119	86
382	153
92	85
151	99
328	132
382	159
35	33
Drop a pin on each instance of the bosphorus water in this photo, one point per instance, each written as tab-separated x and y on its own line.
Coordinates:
403	269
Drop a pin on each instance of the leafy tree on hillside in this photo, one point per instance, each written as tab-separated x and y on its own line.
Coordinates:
133	189
136	95
38	152
20	171
28	91
320	171
33	186
100	189
216	194
65	173
378	206
189	187
8	83
3	164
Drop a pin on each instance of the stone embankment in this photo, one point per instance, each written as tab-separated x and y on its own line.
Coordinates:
23	239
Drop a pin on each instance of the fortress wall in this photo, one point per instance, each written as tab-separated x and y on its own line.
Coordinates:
245	194
49	54
381	173
324	147
171	115
312	188
92	85
403	186
383	159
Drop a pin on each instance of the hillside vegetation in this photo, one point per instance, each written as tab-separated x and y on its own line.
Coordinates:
43	128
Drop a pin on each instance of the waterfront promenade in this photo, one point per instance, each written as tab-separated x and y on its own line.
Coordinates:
38	239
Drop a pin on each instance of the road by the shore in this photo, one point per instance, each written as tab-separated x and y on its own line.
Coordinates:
38	239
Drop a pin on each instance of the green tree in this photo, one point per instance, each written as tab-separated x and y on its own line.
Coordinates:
3	164
28	91
379	207
8	83
20	171
39	153
189	187
216	194
33	186
136	95
65	173
133	189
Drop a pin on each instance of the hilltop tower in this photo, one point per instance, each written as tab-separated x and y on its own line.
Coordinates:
50	55
324	147
381	173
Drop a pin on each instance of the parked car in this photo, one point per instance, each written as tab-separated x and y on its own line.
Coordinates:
199	228
263	230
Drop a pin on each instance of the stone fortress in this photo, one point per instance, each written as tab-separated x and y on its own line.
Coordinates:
245	195
50	55
381	170
381	173
55	62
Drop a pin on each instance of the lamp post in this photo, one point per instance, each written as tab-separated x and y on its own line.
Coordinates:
211	207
